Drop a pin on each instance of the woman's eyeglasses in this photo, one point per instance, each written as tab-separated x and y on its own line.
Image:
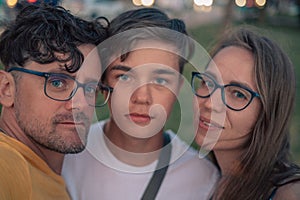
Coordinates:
234	96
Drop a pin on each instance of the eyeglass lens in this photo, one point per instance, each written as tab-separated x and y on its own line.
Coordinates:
233	96
61	87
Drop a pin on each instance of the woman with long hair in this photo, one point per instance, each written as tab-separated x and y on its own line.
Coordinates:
245	98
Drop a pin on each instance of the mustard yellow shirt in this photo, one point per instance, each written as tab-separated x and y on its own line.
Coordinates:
24	175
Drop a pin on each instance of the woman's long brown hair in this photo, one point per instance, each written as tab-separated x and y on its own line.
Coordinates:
265	163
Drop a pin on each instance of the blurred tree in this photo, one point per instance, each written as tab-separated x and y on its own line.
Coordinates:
228	14
298	6
262	13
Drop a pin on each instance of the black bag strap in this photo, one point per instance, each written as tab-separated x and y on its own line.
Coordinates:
273	193
160	171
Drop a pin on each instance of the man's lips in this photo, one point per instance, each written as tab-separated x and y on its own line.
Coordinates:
72	123
209	124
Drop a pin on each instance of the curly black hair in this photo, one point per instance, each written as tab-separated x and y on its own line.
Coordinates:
39	32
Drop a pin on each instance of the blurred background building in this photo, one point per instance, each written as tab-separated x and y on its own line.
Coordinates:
193	11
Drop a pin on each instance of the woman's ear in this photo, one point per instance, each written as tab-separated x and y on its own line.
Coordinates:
7	89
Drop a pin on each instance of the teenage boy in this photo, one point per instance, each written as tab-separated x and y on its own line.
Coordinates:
130	156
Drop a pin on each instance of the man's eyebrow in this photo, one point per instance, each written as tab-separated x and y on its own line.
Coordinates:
165	71
62	71
120	67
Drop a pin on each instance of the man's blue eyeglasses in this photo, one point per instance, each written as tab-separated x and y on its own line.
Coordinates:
62	87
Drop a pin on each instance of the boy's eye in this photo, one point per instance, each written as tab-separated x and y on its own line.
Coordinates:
123	77
160	81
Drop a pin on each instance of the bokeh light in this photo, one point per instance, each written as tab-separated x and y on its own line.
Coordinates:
202	8
260	3
147	2
240	3
137	2
203	2
11	3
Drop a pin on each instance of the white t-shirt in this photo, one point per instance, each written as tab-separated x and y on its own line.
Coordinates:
95	174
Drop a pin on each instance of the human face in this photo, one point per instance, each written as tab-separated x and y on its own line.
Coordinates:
145	88
219	127
61	126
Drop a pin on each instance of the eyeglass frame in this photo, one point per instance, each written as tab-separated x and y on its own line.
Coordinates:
46	75
222	87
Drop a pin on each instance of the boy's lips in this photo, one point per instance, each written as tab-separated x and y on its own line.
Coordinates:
139	118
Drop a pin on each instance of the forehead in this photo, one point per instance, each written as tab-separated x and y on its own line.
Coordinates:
149	57
233	63
91	66
91	62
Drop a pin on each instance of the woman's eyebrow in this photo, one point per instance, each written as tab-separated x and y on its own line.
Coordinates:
243	84
235	82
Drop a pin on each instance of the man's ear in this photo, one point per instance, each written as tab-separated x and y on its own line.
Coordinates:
7	89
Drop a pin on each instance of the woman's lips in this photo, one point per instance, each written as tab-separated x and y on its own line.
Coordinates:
209	124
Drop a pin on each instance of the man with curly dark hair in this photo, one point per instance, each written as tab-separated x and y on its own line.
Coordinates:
48	92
